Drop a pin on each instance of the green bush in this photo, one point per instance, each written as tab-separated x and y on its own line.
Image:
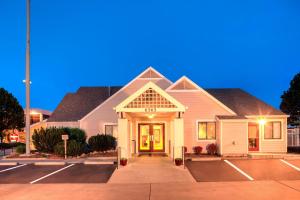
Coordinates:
102	142
10	145
76	134
73	148
21	148
45	140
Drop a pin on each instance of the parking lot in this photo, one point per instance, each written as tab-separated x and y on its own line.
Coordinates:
244	170
70	173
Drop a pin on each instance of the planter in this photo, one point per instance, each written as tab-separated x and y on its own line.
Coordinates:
178	161
123	162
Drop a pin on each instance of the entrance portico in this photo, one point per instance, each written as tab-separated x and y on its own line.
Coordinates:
150	121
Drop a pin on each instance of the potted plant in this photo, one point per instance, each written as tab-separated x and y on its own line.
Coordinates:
178	161
197	150
123	161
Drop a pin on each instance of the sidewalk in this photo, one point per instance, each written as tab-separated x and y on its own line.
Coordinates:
151	170
245	190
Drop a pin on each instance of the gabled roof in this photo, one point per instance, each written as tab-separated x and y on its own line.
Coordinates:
74	106
242	102
194	87
174	105
151	73
184	83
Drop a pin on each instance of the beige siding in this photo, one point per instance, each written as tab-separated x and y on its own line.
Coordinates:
94	122
275	145
234	138
200	107
63	124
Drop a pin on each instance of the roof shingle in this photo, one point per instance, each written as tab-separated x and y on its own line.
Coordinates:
74	106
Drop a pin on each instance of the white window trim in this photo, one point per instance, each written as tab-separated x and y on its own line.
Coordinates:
108	124
206	140
275	139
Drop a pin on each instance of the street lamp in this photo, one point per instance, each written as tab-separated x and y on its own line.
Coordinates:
27	81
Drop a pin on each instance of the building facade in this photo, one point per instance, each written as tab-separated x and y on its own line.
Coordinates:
151	114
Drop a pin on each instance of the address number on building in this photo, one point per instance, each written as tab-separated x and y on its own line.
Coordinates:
150	109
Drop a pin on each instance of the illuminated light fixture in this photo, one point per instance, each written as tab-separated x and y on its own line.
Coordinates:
151	116
262	121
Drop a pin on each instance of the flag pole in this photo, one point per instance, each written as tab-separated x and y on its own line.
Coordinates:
27	82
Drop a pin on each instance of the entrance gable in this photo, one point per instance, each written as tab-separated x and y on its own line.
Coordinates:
150	98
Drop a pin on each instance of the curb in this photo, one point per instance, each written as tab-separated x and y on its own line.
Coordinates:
102	158
49	163
206	159
8	163
98	162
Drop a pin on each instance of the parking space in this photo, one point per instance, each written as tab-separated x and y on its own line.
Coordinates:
244	170
71	173
296	163
270	169
25	173
214	171
81	173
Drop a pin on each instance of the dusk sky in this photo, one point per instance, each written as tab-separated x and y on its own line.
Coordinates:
253	45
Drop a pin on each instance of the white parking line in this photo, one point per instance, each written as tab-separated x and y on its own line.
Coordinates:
239	170
291	165
51	174
4	170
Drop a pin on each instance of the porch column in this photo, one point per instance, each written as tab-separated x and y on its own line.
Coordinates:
123	137
178	137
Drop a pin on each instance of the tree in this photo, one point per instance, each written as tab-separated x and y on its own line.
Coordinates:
11	113
290	103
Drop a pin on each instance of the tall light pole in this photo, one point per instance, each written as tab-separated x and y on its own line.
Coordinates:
27	81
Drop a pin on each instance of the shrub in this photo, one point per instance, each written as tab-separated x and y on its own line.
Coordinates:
197	150
21	148
102	142
45	140
73	148
211	149
76	134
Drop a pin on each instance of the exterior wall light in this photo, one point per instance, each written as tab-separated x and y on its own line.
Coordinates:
151	116
262	121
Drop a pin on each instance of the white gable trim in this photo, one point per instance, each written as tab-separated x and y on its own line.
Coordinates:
123	104
123	88
183	78
151	68
198	88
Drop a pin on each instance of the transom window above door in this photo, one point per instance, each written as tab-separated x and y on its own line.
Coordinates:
206	131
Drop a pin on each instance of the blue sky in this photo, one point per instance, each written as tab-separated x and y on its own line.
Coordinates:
253	45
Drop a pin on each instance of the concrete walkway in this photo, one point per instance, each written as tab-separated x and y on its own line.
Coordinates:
246	190
151	170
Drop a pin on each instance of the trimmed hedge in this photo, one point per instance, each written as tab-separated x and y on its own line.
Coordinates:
102	142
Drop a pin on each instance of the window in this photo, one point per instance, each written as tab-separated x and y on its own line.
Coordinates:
206	130
273	130
34	118
111	130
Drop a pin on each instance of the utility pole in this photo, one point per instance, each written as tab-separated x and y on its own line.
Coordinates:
27	81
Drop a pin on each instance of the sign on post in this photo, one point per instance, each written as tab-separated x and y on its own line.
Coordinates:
65	138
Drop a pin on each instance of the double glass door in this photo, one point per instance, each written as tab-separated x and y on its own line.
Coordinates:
151	137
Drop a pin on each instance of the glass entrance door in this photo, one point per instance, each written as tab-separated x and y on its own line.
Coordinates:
151	138
253	137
